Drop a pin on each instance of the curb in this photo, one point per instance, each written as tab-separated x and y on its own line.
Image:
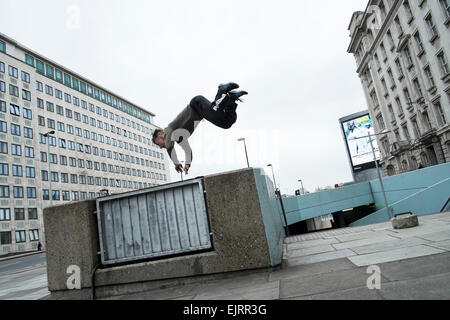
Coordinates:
22	255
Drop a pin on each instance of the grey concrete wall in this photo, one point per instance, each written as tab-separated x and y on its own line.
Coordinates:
240	241
72	239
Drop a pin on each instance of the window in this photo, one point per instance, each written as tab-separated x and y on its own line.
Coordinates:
17	170
18	192
5	236
39	66
443	62
62	143
4	191
29	152
399	68
67	80
440	112
419	43
4	147
67	98
2	86
13	90
43	156
58	94
51	123
40	103
15	129
73	178
374	97
431	27
2	67
14	110
415	128
30	172
426	120
56	195
409	13
69	113
16	150
19	214
45	194
407	96
54	176
39	86
4	169
27	114
48	90
20	236
13	72
50	71
430	78
64	178
25	77
28	132
50	107
66	195
399	26
75	196
63	160
408	56
446	6
58	75
2	46
418	88
32	214
34	235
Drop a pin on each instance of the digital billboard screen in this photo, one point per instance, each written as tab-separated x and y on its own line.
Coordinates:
360	150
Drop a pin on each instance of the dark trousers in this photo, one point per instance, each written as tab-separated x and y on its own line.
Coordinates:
224	117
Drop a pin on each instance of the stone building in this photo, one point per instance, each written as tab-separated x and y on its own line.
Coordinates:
402	49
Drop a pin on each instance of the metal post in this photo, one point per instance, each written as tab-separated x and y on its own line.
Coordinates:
278	193
273	175
379	177
303	190
246	155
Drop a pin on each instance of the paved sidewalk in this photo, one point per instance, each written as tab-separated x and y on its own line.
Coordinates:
414	264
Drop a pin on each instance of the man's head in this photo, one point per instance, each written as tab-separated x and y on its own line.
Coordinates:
159	138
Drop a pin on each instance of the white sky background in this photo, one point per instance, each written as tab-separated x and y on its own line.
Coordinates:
291	56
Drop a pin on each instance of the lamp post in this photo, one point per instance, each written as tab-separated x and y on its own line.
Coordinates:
246	155
378	168
182	171
273	175
47	135
303	190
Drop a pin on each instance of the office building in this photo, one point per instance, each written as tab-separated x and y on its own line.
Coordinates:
64	138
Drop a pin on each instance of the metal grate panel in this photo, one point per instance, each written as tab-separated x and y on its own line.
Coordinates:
160	221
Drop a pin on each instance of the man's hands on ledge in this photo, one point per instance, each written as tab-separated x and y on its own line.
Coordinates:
179	168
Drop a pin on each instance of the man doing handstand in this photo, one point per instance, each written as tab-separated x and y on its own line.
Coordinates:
221	112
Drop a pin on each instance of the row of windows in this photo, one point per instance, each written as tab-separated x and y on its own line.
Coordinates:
51	124
78	85
16	150
19	214
92	121
5	236
18	192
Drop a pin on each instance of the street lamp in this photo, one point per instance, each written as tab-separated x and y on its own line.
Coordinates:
245	146
47	135
303	190
274	182
378	168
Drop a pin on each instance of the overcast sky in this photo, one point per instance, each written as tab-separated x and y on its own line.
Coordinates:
291	56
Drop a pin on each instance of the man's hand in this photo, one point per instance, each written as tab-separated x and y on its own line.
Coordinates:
179	168
186	168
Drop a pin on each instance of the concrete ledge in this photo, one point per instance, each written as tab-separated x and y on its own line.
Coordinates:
405	221
244	238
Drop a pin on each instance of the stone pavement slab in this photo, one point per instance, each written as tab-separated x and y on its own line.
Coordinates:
332	255
389	245
445	245
393	255
363	242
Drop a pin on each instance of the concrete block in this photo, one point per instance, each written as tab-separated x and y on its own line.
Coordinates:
246	228
405	222
71	240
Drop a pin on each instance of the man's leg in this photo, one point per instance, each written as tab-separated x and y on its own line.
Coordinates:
222	118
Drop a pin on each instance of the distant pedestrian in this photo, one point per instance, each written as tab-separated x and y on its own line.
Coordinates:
39	247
